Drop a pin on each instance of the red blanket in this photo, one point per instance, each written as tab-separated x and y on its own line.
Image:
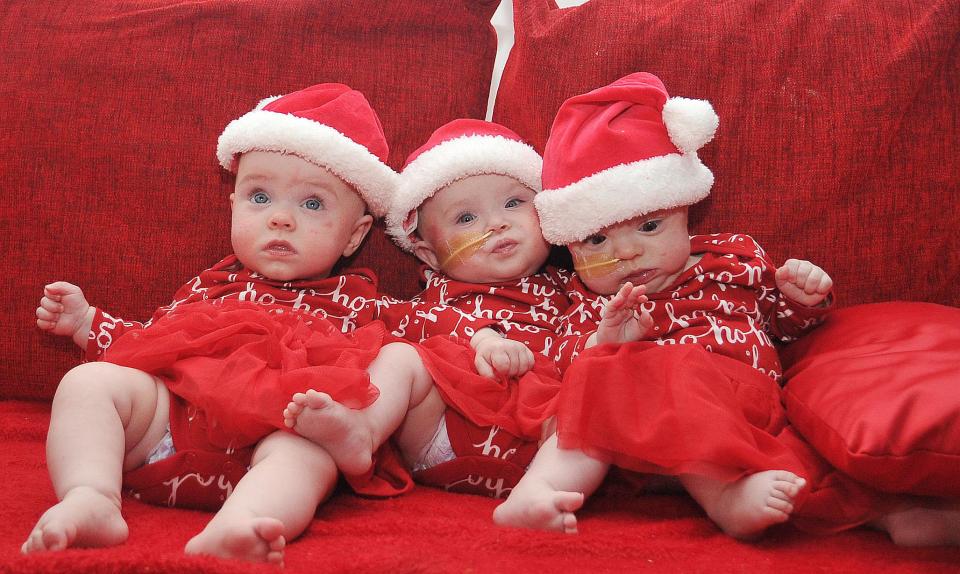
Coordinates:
433	531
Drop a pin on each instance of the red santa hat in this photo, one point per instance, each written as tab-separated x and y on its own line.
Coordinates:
458	149
621	151
330	125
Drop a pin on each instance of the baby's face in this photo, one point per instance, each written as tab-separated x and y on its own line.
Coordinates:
651	250
293	219
482	229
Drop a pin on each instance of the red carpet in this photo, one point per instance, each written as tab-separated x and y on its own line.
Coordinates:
432	531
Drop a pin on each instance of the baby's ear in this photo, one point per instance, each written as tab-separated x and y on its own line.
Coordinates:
424	251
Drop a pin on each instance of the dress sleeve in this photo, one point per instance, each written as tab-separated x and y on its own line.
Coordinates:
789	319
106	329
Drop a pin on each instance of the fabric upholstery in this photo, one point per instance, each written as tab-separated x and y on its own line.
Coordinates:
838	129
110	117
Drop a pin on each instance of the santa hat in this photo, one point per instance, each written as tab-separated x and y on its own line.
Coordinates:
329	125
619	152
459	149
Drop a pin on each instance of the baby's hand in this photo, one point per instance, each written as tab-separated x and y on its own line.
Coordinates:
803	282
621	322
64	310
496	355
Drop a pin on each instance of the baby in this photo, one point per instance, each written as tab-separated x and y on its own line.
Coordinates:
696	396
465	208
195	396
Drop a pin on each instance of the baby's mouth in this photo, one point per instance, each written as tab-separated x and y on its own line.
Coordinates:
280	248
641	276
504	246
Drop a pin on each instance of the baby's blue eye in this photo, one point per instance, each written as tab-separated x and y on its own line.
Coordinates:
513	203
313	204
260	197
650	226
595	239
466	218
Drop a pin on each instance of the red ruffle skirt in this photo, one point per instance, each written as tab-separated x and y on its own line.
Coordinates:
240	363
519	405
680	409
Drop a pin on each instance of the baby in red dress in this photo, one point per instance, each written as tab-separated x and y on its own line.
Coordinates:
684	379
187	408
488	315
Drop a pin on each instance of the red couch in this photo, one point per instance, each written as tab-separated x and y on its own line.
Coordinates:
838	143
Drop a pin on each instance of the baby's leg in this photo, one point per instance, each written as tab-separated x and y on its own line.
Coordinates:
274	502
553	488
745	508
105	418
351	436
933	523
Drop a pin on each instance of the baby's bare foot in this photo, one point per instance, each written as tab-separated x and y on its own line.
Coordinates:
922	526
341	431
254	540
752	504
84	518
537	505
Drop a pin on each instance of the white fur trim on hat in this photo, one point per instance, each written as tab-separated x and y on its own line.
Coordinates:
690	123
453	160
317	143
575	212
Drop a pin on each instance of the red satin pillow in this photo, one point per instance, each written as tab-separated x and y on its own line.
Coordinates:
876	390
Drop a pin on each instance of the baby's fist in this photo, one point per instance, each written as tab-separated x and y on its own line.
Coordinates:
803	282
63	309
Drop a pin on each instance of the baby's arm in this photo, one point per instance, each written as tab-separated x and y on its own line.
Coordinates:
498	355
620	322
64	310
803	282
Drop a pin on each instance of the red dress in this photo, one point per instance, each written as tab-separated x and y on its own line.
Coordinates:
493	425
234	346
447	313
702	395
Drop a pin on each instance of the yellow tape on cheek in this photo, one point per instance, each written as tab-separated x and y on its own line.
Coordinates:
461	248
593	266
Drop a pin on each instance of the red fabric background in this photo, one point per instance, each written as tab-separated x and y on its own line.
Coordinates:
839	121
110	117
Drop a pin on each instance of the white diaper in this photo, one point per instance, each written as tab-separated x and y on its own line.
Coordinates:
164	448
437	451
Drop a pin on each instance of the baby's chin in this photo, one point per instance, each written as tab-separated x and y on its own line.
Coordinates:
484	275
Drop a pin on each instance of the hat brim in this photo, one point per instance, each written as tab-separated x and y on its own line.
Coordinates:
574	212
261	130
452	161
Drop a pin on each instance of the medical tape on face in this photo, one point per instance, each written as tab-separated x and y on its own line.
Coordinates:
593	266
462	247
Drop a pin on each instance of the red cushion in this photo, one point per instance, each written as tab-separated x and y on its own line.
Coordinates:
876	390
838	129
110	115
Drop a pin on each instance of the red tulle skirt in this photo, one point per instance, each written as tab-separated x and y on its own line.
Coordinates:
240	363
518	405
673	409
680	409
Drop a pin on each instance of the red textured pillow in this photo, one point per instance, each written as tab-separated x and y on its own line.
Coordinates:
838	129
109	118
876	390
